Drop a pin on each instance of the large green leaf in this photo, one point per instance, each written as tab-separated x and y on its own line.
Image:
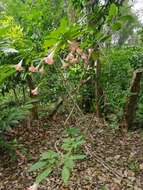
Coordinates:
128	18
5	72
65	175
37	165
43	175
113	11
68	161
78	157
49	155
116	26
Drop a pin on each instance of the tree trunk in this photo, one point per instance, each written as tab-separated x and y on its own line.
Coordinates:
35	106
99	91
132	101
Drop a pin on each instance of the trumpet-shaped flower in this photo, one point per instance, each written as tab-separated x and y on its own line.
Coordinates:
84	57
69	57
79	51
73	46
34	92
33	69
19	67
74	60
90	51
41	70
49	59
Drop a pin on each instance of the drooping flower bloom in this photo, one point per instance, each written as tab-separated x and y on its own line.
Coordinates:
90	51
41	70
84	57
49	59
33	187
73	46
19	67
69	57
33	69
74	60
79	51
34	92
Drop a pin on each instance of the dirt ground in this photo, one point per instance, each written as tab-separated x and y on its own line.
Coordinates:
113	161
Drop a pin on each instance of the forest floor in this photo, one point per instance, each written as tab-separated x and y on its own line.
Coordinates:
113	162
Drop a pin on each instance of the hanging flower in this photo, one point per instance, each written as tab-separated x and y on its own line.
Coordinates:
84	57
74	60
49	59
19	67
73	46
33	69
90	51
69	57
34	92
33	187
79	51
41	70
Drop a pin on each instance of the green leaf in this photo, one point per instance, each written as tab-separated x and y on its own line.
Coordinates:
113	11
126	18
73	131
5	72
104	38
43	175
79	157
49	155
68	162
37	165
116	26
65	175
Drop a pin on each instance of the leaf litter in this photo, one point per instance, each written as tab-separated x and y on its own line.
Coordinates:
113	161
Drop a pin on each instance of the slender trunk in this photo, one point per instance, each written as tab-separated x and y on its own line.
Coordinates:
132	101
99	91
89	88
35	106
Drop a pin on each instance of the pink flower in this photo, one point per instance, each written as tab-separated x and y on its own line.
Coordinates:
33	187
19	67
41	70
73	46
34	92
79	51
49	59
84	57
74	60
33	69
69	57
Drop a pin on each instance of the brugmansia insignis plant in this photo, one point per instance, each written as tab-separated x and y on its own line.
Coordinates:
51	160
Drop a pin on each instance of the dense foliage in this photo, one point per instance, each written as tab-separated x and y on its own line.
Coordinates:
78	54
